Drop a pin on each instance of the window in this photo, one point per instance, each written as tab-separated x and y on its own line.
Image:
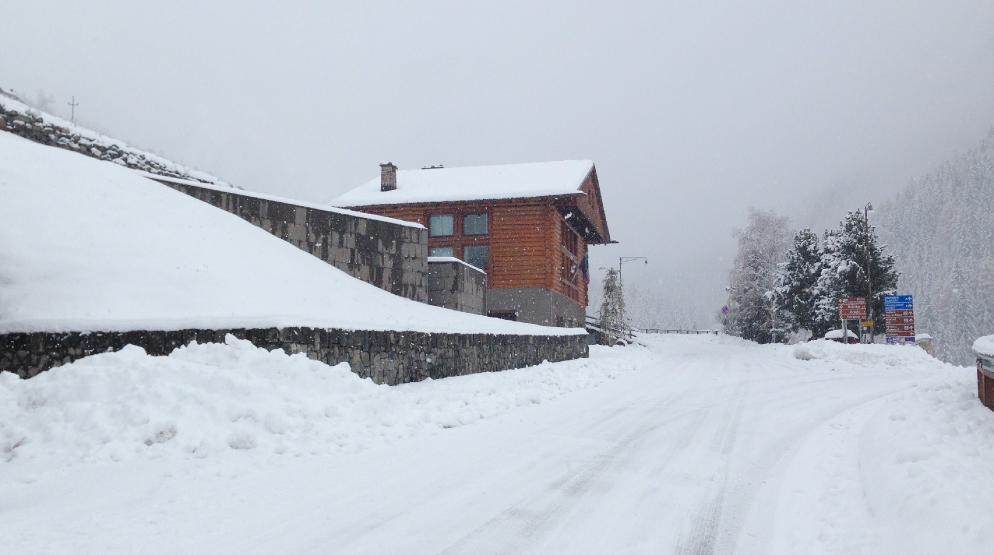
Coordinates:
441	251
475	224
477	255
441	225
503	314
570	264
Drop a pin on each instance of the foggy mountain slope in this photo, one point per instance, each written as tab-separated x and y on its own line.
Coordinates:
941	231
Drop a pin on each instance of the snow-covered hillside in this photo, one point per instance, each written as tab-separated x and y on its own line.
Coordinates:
941	232
87	245
44	128
694	444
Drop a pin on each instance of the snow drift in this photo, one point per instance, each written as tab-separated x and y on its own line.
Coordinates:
209	399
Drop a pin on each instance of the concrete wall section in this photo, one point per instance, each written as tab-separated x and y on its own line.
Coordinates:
536	306
456	285
388	255
386	357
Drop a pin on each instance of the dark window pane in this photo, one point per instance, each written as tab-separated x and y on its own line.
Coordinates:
478	255
441	251
440	225
475	224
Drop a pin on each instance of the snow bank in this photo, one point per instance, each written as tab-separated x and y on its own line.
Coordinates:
90	246
208	400
909	470
984	346
908	356
929	454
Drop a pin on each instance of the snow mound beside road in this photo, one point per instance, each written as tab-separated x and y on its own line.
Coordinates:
207	400
907	356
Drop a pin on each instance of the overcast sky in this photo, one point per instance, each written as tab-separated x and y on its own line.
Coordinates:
692	111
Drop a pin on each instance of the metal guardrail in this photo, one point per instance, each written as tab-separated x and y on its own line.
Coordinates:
680	332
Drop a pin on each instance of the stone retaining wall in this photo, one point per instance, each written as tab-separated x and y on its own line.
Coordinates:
391	256
386	357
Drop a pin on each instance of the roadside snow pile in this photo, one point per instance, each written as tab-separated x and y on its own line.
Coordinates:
896	469
984	346
929	453
904	356
91	246
205	400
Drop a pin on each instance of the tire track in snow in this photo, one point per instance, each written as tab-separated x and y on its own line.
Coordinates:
524	525
701	539
720	521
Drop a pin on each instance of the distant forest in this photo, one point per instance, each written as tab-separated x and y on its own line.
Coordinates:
941	233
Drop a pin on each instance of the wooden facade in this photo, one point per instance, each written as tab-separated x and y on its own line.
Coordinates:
538	243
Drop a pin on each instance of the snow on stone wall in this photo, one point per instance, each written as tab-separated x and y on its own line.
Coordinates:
20	119
384	356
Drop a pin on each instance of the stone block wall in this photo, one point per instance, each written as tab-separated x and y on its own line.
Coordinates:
456	285
386	357
389	255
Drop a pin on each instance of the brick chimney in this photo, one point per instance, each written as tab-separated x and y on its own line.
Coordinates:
388	177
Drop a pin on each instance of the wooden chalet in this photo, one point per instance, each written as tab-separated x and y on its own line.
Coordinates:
528	226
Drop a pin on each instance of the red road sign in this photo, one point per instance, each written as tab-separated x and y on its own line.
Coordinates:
852	308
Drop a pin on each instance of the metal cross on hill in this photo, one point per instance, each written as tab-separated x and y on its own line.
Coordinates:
72	110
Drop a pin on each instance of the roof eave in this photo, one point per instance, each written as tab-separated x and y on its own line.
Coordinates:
463	201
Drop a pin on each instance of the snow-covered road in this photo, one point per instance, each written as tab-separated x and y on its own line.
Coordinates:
705	445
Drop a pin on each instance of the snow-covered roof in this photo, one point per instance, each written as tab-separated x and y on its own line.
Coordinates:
984	346
509	181
118	252
274	198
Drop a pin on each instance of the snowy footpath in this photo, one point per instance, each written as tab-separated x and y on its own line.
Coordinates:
683	445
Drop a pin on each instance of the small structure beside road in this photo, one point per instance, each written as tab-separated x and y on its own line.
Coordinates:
984	349
836	335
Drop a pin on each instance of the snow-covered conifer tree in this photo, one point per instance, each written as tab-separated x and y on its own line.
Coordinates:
797	281
613	307
854	264
755	310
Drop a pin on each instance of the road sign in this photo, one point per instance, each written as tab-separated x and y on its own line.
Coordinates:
868	324
900	340
898	302
899	317
852	308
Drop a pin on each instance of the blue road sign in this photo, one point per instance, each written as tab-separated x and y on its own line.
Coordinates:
898	302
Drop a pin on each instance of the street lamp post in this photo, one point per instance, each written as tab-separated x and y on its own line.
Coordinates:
623	259
869	281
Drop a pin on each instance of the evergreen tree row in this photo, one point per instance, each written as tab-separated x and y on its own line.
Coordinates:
778	288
